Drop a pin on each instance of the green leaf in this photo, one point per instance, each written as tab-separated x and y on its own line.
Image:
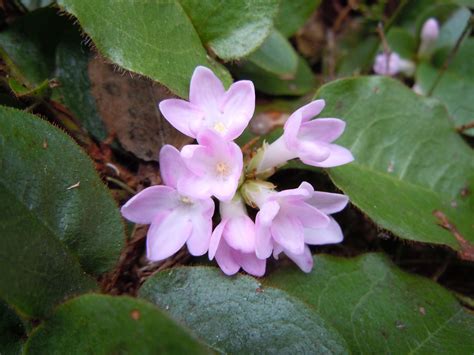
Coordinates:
235	315
379	309
276	55
293	15
102	324
409	161
402	42
164	39
455	84
28	46
72	60
299	84
232	29
12	331
58	223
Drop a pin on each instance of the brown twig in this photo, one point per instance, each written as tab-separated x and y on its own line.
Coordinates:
465	127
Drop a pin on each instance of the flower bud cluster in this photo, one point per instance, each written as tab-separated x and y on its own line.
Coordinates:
181	211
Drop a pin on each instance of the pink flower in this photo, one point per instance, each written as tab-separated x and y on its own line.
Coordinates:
308	140
289	220
175	219
391	64
233	241
429	35
215	165
210	106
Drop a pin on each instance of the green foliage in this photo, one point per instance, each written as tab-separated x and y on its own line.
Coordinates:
11	331
130	43
102	324
236	315
360	305
409	161
293	14
59	221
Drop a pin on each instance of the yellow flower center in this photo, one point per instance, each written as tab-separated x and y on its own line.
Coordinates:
220	127
222	169
186	200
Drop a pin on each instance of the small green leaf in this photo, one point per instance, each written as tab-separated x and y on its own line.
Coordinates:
379	309
293	15
276	55
402	42
298	84
236	315
102	324
455	84
58	220
232	29
12	331
72	59
409	161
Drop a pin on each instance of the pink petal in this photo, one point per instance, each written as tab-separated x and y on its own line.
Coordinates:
206	90
194	186
238	105
144	206
288	195
263	237
313	152
312	109
216	238
303	260
267	213
339	156
226	260
171	165
328	202
291	130
330	235
167	237
199	240
180	114
322	129
240	234
309	216
288	232
251	264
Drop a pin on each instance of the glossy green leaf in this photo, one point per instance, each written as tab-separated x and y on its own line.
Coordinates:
293	15
102	324
28	46
232	29
455	85
276	55
409	161
72	59
379	309
58	221
298	84
12	331
164	39
235	315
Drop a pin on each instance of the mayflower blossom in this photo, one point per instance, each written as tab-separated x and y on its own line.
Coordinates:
306	139
392	64
175	219
233	240
210	106
428	36
289	220
215	165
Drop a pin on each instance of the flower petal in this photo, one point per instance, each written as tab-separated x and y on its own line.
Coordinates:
144	206
291	130
303	260
309	216
216	239
240	234
238	106
328	202
322	129
225	259
206	90
330	235
289	233
263	236
338	156
250	263
199	240
171	165
181	115
167	237
194	186
311	152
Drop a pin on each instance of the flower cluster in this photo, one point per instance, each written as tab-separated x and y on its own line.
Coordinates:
181	211
390	63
